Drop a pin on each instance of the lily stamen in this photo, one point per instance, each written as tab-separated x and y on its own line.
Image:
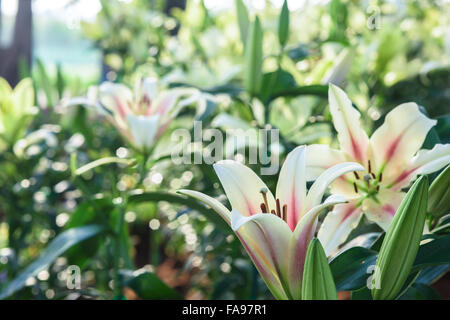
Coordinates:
264	191
370	167
355	187
356	175
263	208
278	208
284	217
381	177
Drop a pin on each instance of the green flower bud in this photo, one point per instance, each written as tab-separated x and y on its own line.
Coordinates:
439	195
401	243
318	283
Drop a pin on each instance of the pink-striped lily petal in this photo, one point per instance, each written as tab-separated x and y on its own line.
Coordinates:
319	187
320	157
338	224
424	162
346	119
116	98
266	237
303	234
242	187
383	210
291	187
218	207
143	130
394	143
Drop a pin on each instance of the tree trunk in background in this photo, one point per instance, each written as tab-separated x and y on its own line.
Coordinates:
20	49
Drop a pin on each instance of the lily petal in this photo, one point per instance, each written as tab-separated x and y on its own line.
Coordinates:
291	187
395	142
303	234
319	187
346	119
338	224
320	157
424	162
242	187
143	129
210	201
383	211
116	98
266	237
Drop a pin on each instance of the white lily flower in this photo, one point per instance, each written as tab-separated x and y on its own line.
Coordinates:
275	231
391	158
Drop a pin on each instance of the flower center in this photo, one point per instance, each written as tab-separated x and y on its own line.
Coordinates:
278	211
369	184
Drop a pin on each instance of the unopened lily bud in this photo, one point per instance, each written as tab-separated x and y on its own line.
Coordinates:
401	243
439	195
318	283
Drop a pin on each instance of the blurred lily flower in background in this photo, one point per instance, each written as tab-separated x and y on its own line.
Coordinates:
142	115
391	158
16	111
275	232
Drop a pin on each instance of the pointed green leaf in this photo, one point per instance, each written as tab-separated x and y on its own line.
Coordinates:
56	248
243	20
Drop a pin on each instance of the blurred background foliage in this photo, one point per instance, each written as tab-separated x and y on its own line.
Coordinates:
259	68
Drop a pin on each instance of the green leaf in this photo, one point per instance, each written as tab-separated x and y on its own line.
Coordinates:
317	283
56	248
243	20
45	81
420	291
314	90
101	162
254	58
350	269
436	252
276	82
182	200
149	287
283	25
401	243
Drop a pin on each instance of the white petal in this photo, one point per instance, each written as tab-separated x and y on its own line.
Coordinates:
266	237
393	145
143	129
424	162
346	119
243	187
213	203
291	187
338	224
320	157
383	211
319	187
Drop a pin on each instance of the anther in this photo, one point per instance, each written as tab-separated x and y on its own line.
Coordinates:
263	208
381	177
355	187
273	212
378	188
264	194
278	208
284	217
370	168
356	175
373	175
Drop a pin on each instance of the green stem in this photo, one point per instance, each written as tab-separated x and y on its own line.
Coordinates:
116	256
